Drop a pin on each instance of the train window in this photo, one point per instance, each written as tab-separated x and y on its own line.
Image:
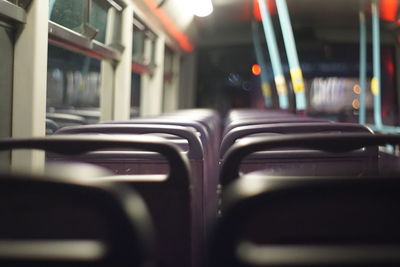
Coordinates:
73	79
82	34
67	13
138	45
89	17
104	13
98	18
143	47
336	95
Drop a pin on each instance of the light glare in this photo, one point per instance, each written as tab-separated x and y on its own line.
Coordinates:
256	69
202	8
357	89
355	104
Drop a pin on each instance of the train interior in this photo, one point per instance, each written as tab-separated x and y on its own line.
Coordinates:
199	133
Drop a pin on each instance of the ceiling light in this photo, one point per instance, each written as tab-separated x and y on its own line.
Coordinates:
202	8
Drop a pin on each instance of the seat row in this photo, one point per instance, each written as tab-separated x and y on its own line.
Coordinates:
207	188
309	193
180	203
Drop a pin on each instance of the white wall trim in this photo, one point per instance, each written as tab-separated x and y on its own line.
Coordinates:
151	91
30	79
171	95
123	71
115	96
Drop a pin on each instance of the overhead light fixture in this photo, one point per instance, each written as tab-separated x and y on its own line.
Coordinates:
202	8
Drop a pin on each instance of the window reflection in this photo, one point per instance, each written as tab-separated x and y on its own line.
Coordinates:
73	14
98	18
138	45
72	79
67	13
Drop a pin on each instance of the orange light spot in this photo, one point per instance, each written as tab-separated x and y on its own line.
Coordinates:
271	7
388	9
170	26
256	69
357	89
355	104
256	10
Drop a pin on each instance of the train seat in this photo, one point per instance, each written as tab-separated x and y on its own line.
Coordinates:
337	156
287	128
170	201
124	163
207	124
307	221
255	121
299	160
55	221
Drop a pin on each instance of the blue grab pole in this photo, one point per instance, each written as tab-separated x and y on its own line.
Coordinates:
376	80
266	88
363	68
279	78
290	46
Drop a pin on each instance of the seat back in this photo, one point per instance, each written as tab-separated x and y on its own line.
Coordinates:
123	162
212	122
273	120
170	200
335	150
303	221
52	221
307	162
241	114
288	128
207	124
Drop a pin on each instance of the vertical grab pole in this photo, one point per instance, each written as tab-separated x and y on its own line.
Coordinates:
266	88
376	80
290	46
279	79
363	68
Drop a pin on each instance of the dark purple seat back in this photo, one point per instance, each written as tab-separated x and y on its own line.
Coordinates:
53	221
255	121
207	123
302	221
336	147
127	162
288	128
302	161
170	201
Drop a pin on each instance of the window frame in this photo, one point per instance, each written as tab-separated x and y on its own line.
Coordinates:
83	41
11	12
144	64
